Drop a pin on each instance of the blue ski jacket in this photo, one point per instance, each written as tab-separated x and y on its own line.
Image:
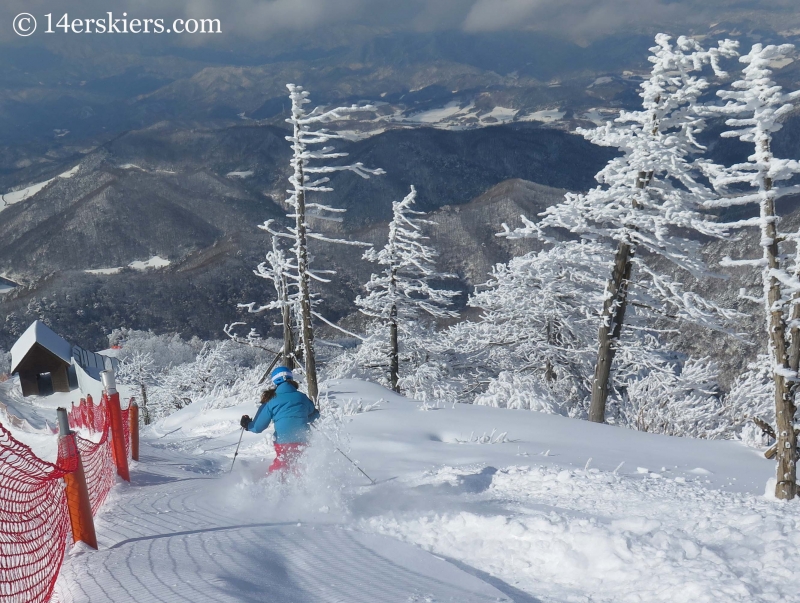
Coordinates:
290	410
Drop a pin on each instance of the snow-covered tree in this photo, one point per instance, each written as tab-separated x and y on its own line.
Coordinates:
166	350
311	162
647	197
537	317
755	107
186	383
536	333
138	369
685	401
751	402
278	270
402	294
5	362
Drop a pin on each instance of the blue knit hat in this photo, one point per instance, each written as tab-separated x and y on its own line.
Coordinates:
281	374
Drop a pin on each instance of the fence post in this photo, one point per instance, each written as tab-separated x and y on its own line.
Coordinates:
78	503
133	419
90	413
115	415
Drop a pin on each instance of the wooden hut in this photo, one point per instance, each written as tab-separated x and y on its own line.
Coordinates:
42	358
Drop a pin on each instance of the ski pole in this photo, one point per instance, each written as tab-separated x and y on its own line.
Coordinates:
272	364
235	454
352	462
355	465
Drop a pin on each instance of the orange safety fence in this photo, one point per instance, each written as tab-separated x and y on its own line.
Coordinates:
94	418
34	512
34	520
126	422
88	415
97	457
98	466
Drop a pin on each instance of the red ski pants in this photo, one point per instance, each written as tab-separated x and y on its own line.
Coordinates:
286	456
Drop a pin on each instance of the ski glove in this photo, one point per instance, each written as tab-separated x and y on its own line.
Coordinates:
245	421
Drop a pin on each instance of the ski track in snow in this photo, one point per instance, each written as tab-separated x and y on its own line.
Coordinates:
184	531
681	521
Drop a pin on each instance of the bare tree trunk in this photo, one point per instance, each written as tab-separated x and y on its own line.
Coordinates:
610	330
613	316
288	335
394	344
394	351
794	333
786	487
145	409
549	371
301	246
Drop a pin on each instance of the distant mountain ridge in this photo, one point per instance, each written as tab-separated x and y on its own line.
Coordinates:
196	197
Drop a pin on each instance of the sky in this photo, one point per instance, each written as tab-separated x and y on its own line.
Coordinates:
257	18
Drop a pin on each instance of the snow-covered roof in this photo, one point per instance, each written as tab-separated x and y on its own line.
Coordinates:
39	333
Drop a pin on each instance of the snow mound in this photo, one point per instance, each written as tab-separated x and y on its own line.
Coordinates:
30	420
619	539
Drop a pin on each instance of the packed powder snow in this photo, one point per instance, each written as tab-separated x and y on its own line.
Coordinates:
557	511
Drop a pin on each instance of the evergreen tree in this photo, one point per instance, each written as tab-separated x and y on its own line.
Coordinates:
755	107
647	197
400	295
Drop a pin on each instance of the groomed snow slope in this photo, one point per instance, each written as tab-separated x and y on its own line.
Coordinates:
528	519
182	531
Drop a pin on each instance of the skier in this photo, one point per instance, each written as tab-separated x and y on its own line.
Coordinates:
291	411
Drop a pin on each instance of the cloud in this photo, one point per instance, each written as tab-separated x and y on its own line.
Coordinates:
256	18
493	15
589	18
253	16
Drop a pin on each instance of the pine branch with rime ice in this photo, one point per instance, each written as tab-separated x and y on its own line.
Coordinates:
657	187
408	266
754	108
